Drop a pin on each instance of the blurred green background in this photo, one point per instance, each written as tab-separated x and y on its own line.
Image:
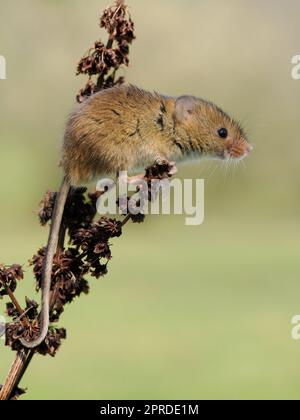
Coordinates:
185	312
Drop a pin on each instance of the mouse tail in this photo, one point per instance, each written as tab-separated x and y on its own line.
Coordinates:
47	271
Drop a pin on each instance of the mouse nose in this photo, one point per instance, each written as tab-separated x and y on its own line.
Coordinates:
249	148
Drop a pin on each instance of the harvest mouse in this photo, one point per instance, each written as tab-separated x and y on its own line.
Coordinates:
124	128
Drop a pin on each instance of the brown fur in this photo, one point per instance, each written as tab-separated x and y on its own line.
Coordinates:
125	128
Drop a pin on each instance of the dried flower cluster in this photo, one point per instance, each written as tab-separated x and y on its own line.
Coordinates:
160	170
88	252
27	327
9	277
123	204
47	205
103	60
157	171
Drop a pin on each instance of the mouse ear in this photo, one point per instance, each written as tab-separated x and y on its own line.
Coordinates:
184	108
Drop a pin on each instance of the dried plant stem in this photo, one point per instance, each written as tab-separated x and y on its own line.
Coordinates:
24	357
17	369
101	78
14	301
126	220
15	374
61	238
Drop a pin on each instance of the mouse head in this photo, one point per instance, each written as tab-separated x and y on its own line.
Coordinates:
216	134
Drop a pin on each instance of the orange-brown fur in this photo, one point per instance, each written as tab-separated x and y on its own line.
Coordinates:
124	128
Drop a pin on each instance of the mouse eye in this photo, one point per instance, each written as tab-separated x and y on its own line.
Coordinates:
223	133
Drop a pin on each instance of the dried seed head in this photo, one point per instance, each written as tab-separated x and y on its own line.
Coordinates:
47	206
103	61
9	276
